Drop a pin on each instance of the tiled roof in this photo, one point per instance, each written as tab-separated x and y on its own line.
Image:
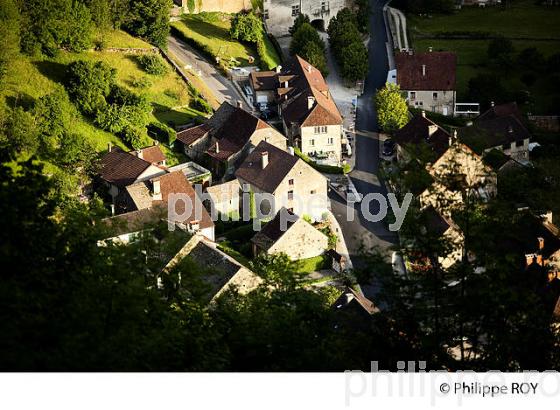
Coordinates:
264	80
152	154
279	165
172	183
417	131
306	81
135	221
350	297
272	231
121	168
500	125
438	73
435	223
193	134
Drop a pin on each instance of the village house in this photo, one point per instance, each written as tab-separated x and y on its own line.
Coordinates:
440	226
422	139
293	184
154	193
225	198
279	15
227	138
541	243
310	117
502	128
428	79
152	154
221	271
457	172
120	168
299	239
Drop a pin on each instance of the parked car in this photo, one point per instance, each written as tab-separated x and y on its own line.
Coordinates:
388	147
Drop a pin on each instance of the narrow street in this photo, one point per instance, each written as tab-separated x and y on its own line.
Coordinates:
360	232
220	86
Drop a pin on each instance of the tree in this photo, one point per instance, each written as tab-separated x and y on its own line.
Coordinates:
149	19
305	34
152	64
392	111
246	27
500	47
315	55
89	83
355	61
298	22
485	88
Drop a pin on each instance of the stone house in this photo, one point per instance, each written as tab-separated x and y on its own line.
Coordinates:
227	138
155	193
502	128
310	117
279	15
225	198
120	168
292	183
299	239
441	226
428	79
222	272
421	138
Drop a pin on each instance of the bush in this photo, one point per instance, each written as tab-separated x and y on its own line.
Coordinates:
88	84
152	64
162	133
247	27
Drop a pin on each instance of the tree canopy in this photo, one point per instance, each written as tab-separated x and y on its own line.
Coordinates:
392	111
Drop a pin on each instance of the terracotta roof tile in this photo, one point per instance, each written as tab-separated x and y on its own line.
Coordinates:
152	154
193	134
438	74
121	168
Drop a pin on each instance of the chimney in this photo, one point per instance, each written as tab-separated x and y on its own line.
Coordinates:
109	147
217	147
453	138
112	209
469	123
432	129
278	69
424	70
156	187
139	154
491	103
156	143
547	217
430	49
286	84
309	68
423	113
541	243
264	159
194	226
239	104
292	152
310	102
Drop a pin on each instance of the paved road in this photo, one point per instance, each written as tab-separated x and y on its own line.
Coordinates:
221	87
365	174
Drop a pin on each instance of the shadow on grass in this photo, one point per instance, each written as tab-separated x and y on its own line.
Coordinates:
20	100
171	116
52	70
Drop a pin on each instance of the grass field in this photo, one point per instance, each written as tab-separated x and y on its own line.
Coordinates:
526	24
31	78
210	33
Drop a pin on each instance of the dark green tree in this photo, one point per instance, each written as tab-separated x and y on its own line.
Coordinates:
149	19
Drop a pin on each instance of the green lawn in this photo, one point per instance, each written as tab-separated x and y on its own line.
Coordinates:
525	23
30	78
209	32
311	264
522	20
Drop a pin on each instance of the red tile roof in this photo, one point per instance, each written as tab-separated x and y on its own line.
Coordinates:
151	154
417	131
121	168
193	134
438	73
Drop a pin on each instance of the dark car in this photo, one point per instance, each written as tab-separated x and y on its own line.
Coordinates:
388	147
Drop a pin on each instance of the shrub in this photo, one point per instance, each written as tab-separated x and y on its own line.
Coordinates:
162	133
246	27
200	104
89	83
152	64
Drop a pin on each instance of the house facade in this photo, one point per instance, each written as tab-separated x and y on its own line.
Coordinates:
293	184
279	15
428	80
300	240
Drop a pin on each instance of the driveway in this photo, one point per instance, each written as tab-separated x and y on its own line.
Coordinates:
221	87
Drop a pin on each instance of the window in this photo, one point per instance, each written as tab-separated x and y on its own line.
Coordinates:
266	15
290	195
316	130
313	192
323	6
291	182
295	10
330	141
519	143
312	142
412	95
324	129
420	103
434	96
